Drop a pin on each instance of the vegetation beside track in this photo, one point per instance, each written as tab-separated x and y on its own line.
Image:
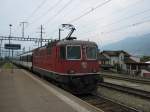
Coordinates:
7	65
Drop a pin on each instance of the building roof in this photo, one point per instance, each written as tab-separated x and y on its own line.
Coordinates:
131	61
115	53
102	57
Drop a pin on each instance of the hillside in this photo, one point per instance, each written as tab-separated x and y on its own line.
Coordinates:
135	45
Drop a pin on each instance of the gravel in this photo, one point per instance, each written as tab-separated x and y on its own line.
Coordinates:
124	98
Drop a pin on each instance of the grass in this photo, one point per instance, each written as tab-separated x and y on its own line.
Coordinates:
7	66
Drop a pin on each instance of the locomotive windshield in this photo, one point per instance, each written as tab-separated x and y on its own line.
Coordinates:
73	52
91	52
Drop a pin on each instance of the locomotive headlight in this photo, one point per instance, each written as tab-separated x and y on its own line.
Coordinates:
84	65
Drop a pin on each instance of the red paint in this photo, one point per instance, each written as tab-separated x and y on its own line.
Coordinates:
54	63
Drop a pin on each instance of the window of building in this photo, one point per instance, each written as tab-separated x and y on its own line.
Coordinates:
133	67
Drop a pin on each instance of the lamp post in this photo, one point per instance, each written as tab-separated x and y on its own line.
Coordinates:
10	26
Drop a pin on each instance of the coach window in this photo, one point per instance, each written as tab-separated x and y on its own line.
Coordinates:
29	58
73	52
91	52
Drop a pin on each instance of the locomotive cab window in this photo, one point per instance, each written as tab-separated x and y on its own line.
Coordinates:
91	52
73	52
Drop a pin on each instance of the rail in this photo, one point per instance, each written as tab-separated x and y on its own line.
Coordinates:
131	79
133	91
106	104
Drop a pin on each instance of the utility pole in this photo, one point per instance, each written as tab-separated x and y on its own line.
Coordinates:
41	35
0	48
23	25
59	33
10	25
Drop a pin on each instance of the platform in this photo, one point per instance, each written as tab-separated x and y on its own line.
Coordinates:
21	91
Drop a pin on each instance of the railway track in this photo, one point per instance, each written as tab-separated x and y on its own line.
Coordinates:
133	91
105	104
102	102
130	79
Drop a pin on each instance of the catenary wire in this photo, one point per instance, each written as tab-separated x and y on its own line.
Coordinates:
37	9
64	7
46	12
91	10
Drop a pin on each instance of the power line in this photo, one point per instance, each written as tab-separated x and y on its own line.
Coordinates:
34	11
114	12
64	7
91	10
122	9
37	8
127	26
46	12
125	19
98	6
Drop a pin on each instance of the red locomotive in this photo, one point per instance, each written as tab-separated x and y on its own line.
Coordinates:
72	63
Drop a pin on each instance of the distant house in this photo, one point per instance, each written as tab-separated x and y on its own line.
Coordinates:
103	59
134	66
104	62
121	61
116	58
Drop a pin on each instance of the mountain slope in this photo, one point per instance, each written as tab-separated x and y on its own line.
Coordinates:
134	45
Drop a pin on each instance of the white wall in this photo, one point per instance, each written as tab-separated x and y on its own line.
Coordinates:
114	60
137	59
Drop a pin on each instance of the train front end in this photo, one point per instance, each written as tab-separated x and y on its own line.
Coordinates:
79	62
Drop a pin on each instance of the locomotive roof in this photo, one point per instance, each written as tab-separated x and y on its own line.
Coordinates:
76	42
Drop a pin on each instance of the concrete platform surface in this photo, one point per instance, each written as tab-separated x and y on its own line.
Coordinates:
22	92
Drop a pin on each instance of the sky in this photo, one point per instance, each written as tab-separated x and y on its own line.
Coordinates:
101	21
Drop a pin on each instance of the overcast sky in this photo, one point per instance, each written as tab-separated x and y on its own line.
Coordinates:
102	21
